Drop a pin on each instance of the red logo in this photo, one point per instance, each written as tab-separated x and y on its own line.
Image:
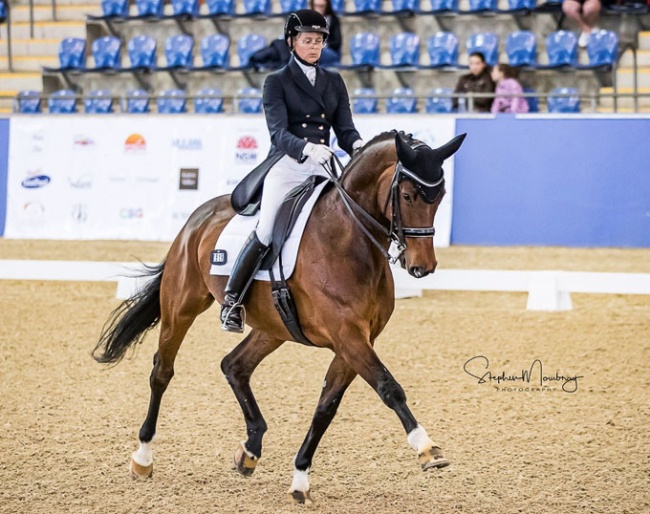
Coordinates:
135	142
247	143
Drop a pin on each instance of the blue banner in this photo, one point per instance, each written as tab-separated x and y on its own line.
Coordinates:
4	162
553	181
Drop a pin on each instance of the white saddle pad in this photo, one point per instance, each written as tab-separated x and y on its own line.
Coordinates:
238	229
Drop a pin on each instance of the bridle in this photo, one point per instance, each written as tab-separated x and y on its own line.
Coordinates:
395	232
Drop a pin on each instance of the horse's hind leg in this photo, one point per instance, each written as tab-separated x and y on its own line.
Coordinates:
339	377
238	366
173	328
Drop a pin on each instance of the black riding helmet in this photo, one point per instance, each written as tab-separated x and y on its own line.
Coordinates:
305	20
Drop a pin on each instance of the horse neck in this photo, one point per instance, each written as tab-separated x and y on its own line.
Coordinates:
368	179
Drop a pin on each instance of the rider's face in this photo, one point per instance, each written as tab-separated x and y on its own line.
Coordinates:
308	46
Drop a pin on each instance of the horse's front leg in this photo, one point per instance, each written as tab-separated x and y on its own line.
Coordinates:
238	366
361	356
338	378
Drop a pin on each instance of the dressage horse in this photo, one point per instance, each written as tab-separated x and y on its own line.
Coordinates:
342	286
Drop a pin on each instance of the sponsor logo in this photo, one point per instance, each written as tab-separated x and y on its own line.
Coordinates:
36	149
135	143
246	152
38	136
36	181
79	212
33	211
81	141
218	257
188	178
84	181
190	143
131	213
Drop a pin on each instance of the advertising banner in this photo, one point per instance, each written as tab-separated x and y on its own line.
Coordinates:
140	177
4	150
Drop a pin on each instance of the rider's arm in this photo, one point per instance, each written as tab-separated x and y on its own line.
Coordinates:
342	123
277	119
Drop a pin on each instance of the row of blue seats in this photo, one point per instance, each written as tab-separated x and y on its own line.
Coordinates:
404	50
147	9
248	100
170	101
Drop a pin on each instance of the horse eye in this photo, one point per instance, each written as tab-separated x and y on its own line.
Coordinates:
406	196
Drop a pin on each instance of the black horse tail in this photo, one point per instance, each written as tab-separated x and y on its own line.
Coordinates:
131	320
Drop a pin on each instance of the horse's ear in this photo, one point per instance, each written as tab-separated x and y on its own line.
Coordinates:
449	149
404	152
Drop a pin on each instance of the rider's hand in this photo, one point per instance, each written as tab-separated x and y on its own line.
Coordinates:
357	145
318	153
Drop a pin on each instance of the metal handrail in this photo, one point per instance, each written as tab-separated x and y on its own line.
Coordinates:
31	16
8	21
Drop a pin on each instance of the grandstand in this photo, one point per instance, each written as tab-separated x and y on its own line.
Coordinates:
182	52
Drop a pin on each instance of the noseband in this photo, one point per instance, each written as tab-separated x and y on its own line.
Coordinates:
396	232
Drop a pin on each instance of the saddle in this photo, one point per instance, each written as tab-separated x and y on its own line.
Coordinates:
247	195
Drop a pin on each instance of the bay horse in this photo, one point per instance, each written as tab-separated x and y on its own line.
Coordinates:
342	286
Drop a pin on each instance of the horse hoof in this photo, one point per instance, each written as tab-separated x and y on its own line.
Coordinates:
432	457
245	463
300	497
139	472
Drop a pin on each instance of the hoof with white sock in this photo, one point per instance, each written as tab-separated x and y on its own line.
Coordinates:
299	490
429	454
141	466
245	461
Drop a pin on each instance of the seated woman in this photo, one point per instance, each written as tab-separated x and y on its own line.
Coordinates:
505	77
332	52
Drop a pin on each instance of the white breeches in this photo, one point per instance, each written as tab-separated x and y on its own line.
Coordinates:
283	177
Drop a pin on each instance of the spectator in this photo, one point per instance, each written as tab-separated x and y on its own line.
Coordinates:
332	52
585	14
478	80
505	77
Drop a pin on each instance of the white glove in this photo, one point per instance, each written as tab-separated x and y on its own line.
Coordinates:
318	153
357	145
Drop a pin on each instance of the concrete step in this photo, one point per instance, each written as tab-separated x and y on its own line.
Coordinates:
642	59
79	12
644	40
625	102
48	3
625	78
27	47
619	110
7	101
33	63
20	81
49	30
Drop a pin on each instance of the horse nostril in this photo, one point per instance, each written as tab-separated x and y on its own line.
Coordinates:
417	272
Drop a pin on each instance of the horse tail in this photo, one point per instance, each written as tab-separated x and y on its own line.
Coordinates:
131	320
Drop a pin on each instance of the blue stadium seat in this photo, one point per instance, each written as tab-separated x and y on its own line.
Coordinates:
602	50
486	43
215	50
142	52
444	6
288	6
3	12
563	100
364	101
481	6
519	6
533	101
115	8
220	7
439	102
405	6
208	101
246	46
521	48
107	53
172	101
367	6
62	101
364	50
72	53
98	102
249	100
185	8
404	49
257	7
149	8
338	6
442	48
137	101
402	101
562	50
179	51
28	102
549	6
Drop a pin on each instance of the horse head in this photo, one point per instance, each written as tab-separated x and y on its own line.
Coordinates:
417	188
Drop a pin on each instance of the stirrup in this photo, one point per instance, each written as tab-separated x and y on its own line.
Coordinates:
233	318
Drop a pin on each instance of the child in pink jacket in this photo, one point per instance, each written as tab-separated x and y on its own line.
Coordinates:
505	78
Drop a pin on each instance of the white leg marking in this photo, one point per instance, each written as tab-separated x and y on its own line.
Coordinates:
144	455
300	481
419	439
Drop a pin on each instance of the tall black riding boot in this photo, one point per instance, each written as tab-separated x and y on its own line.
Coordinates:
246	265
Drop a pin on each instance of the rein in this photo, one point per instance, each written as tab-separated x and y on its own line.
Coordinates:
396	233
